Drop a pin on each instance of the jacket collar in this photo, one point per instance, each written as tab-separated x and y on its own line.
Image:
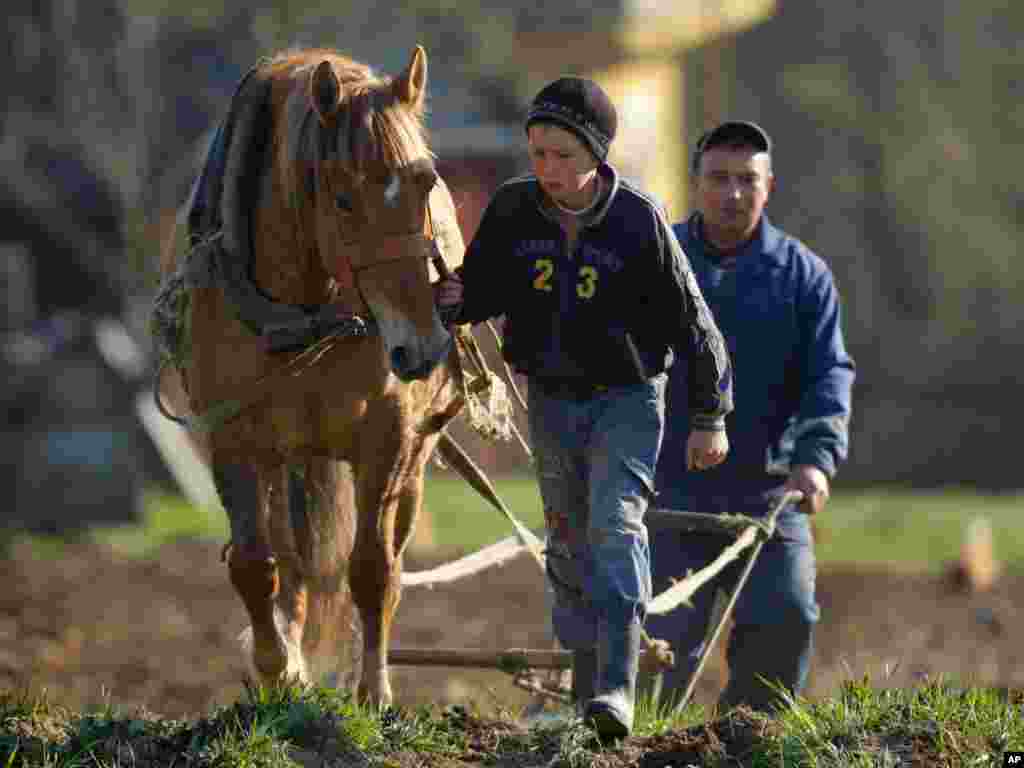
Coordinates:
611	187
762	247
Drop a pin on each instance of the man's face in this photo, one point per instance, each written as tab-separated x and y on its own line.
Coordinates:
560	161
733	185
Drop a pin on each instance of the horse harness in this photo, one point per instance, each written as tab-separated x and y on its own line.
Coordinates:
307	338
305	333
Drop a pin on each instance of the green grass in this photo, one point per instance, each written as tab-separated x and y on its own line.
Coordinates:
902	529
268	727
464	521
165	517
937	724
893	529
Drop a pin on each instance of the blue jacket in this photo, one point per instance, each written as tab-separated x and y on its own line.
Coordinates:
617	309
778	309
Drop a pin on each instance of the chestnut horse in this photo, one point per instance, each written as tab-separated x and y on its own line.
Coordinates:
318	450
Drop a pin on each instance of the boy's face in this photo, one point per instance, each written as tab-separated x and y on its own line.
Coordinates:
561	162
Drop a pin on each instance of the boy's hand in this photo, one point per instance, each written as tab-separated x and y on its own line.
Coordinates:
448	292
706	449
448	297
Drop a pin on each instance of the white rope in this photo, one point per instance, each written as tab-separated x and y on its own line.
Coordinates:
492	556
683	590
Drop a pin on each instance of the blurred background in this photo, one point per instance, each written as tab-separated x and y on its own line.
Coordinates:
897	154
898	157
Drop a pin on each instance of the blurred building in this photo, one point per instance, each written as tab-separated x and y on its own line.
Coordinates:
667	65
639	51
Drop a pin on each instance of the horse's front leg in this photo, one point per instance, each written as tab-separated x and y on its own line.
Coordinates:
246	494
374	576
388	504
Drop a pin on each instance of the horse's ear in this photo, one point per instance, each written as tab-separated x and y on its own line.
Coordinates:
411	86
325	91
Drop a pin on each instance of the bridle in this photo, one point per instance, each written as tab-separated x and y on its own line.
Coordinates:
392	248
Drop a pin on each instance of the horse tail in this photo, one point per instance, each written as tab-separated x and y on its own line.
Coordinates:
321	503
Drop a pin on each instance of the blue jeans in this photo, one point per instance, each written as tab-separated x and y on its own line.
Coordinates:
595	462
774	616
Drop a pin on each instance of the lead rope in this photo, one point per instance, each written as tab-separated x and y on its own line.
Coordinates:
469	347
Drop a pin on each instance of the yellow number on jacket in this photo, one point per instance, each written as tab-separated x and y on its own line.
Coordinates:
545	268
587	285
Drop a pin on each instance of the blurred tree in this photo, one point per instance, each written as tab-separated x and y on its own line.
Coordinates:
897	157
200	50
127	87
476	37
62	127
934	113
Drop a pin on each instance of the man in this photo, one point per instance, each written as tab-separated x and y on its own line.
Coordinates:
598	298
777	306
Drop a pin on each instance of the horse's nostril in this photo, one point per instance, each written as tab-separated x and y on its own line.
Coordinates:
399	359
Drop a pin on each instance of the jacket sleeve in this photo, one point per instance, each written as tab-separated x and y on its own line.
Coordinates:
484	287
822	429
696	338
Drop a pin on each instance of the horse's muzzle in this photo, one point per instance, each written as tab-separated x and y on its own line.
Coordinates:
408	366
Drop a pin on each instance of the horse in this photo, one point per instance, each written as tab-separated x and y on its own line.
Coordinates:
318	440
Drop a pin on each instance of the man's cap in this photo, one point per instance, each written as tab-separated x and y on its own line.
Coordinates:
580	106
732	133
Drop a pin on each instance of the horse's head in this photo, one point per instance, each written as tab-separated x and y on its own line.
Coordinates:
371	182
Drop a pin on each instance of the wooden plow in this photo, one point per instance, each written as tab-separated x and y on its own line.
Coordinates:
492	418
524	663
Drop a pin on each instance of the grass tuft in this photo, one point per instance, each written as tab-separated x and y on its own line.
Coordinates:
938	724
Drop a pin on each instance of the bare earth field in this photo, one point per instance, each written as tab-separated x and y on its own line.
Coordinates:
94	628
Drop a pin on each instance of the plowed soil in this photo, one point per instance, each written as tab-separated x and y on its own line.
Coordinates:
94	628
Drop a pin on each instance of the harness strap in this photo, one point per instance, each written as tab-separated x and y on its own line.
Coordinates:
219	221
308	335
221	413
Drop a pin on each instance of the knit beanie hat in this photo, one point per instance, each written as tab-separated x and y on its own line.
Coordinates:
578	105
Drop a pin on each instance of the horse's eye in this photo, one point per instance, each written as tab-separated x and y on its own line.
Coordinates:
343	203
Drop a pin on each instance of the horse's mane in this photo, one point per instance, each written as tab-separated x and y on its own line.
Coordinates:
372	127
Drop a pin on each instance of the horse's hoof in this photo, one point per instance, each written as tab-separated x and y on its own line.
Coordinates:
268	661
376	693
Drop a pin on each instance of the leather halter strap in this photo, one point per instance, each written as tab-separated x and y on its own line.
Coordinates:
392	248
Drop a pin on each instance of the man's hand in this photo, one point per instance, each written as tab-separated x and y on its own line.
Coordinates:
814	484
706	448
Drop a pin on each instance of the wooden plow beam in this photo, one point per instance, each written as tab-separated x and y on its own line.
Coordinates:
511	660
522	662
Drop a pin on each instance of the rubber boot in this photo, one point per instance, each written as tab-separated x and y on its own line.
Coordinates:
584	673
618	661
